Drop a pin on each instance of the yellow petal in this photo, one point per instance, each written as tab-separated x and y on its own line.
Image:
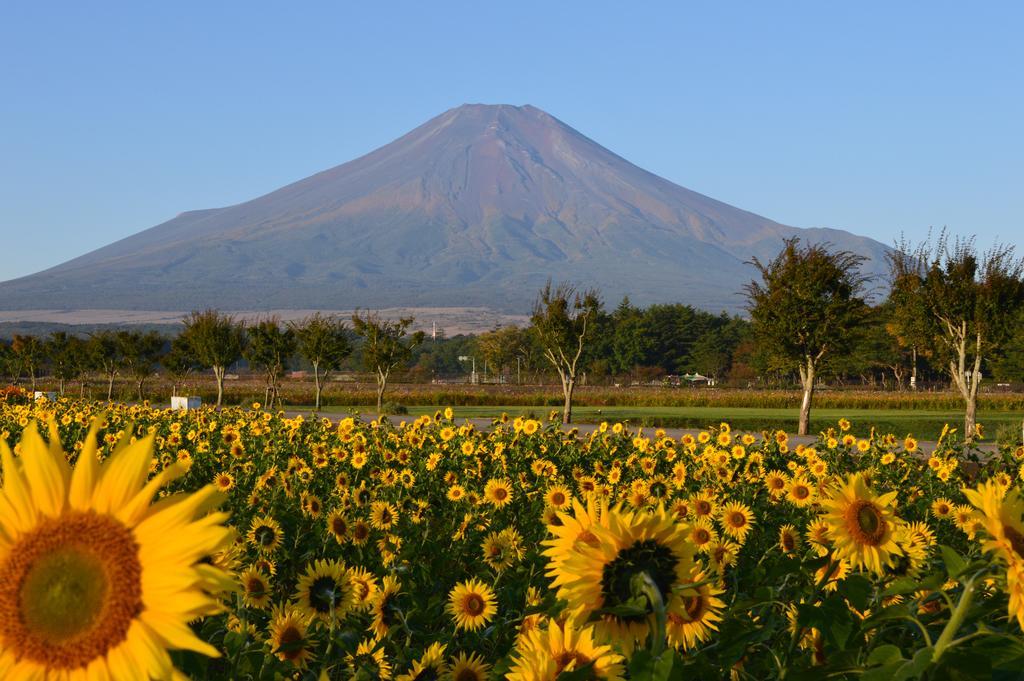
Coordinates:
122	476
46	471
87	471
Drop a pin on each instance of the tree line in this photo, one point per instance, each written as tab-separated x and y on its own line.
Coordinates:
950	314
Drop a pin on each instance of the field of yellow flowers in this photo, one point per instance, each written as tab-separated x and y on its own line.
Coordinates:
142	543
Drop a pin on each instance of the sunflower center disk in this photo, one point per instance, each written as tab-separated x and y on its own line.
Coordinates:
869	524
649	556
74	587
1016	540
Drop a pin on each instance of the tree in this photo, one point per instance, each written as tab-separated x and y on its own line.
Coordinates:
104	354
179	362
562	322
29	353
629	343
970	302
270	348
386	345
67	356
499	348
807	306
217	341
323	342
140	353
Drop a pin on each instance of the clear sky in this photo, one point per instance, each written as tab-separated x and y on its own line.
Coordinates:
872	117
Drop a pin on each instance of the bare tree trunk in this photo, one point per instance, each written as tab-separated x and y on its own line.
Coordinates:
316	381
110	386
60	386
382	381
140	382
568	386
218	372
807	379
913	367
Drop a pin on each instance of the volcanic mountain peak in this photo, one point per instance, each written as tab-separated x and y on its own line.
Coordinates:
477	206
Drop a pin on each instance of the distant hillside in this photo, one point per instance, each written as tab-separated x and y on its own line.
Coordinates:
476	207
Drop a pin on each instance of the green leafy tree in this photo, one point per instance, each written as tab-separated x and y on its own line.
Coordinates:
104	352
66	354
970	302
562	323
807	306
269	349
386	345
179	362
29	352
630	344
323	342
217	341
140	355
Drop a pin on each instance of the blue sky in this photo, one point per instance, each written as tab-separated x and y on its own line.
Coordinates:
872	117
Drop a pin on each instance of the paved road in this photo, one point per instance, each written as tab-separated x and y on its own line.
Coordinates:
927	447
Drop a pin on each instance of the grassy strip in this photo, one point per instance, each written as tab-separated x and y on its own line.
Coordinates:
924	424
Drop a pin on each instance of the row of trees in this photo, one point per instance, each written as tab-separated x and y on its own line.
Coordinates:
946	302
949	309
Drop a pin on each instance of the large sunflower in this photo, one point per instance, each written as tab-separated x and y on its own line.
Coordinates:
468	667
471	604
544	654
325	591
1003	520
598	576
862	525
94	581
289	639
692	619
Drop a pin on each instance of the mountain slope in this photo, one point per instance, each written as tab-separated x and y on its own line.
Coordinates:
478	206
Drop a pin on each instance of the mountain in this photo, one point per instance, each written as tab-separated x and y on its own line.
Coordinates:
476	207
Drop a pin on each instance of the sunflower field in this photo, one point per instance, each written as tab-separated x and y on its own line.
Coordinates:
239	544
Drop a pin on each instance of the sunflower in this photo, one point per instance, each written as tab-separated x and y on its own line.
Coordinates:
337	525
224	481
776	483
737	520
544	654
601	575
471	604
498	492
325	591
558	496
255	588
861	524
1003	519
369	658
429	667
265	534
800	492
1003	522
702	534
96	581
289	639
789	539
364	586
693	613
469	667
360	532
498	551
384	604
573	531
383	515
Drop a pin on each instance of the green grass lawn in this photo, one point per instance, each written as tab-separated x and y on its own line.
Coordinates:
925	425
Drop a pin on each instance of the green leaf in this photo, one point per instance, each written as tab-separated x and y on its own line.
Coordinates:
955	563
857	590
885	654
647	667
